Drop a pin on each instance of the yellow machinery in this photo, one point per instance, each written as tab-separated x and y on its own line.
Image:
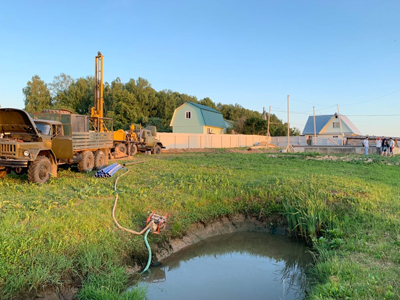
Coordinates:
96	112
129	142
121	135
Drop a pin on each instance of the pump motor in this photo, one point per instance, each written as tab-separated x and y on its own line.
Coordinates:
159	222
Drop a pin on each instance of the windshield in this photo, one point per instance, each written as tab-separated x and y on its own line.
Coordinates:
43	128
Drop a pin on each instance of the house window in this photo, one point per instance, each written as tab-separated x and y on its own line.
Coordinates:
209	130
335	136
336	124
188	115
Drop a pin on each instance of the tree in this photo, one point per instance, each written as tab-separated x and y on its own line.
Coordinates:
59	92
126	107
208	102
37	95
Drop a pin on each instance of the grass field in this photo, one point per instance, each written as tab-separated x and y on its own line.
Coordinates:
62	233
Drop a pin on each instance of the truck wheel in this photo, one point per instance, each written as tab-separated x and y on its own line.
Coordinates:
156	150
99	160
133	150
87	162
122	148
3	174
39	170
20	171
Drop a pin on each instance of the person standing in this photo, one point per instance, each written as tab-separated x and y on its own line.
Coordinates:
384	146
378	146
366	145
391	145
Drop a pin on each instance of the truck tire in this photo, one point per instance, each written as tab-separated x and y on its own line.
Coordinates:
156	150
20	171
39	170
87	162
122	148
133	150
99	160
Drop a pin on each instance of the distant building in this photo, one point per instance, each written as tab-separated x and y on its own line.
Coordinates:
195	118
329	126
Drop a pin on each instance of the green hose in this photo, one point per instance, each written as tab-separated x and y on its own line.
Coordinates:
148	248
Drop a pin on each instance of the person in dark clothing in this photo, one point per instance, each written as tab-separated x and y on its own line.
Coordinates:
384	146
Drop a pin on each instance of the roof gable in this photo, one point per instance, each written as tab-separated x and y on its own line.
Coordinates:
322	121
349	124
208	115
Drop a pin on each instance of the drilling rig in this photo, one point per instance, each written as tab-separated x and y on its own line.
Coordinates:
126	143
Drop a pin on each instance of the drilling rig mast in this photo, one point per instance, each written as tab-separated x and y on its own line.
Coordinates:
96	112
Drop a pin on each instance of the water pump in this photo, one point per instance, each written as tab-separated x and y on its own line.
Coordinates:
159	222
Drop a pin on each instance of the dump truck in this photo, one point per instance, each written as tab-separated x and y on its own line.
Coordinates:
136	139
38	144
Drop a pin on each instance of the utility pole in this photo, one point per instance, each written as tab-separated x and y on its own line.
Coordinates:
269	120
340	120
288	148
315	126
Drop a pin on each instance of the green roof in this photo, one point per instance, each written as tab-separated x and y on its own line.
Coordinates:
204	107
211	116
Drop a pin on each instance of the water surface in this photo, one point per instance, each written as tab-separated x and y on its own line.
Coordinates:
242	265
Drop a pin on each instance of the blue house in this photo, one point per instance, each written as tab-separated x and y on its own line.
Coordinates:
330	126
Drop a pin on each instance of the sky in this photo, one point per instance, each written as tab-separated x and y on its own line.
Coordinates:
323	53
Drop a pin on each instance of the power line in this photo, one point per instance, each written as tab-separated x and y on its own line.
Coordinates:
313	103
372	99
393	115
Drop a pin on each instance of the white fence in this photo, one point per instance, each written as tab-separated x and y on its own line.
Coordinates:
282	141
200	140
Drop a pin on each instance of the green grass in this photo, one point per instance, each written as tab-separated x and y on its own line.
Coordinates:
62	232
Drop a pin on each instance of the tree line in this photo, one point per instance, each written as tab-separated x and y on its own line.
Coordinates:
137	102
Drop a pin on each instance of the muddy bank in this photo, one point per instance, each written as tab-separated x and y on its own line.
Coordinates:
201	231
196	233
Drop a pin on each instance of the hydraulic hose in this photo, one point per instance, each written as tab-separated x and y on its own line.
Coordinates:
147	228
115	205
126	229
149	249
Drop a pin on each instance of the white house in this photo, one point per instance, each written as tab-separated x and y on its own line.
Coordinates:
330	126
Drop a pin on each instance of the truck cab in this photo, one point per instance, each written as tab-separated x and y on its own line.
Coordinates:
37	146
23	141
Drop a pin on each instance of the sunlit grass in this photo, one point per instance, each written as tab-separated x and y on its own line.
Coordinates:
63	231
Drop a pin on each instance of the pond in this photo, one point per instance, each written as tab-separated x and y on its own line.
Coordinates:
241	265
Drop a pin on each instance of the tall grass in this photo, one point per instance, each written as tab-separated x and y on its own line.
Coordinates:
62	233
306	206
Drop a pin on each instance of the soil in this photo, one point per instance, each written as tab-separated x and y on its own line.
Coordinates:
194	234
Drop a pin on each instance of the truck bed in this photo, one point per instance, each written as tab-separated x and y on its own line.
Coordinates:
91	140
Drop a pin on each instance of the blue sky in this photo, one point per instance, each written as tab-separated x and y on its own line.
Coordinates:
254	53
